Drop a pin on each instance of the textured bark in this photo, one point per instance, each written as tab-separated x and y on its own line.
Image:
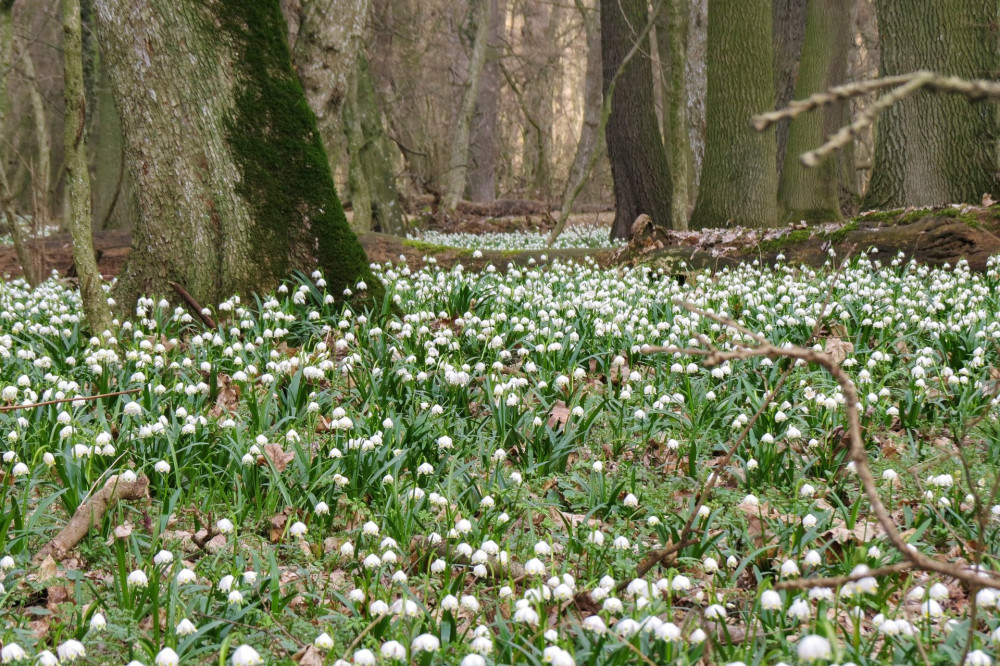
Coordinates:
635	147
483	146
41	167
738	181
590	131
234	186
29	263
95	303
936	149
374	198
814	194
458	162
542	79
671	44
789	19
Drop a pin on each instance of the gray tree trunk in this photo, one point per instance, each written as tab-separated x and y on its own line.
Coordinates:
936	149
458	162
789	21
95	303
483	145
234	186
738	181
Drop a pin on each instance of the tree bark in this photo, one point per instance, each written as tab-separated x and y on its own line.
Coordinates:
374	198
789	21
814	194
541	76
234	186
671	44
95	303
738	181
935	149
483	148
458	161
590	131
635	146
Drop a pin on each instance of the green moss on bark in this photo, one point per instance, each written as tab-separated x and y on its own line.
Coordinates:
285	175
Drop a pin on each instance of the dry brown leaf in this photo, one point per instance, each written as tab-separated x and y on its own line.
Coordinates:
988	200
228	398
124	530
278	523
559	414
277	455
839	349
46	570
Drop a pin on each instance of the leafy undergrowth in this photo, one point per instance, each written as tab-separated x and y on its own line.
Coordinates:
478	480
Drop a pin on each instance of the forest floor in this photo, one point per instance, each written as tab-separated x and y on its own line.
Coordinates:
504	471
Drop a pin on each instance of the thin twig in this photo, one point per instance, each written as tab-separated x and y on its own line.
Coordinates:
194	305
85	398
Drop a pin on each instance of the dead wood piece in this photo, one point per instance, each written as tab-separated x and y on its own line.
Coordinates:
90	513
194	305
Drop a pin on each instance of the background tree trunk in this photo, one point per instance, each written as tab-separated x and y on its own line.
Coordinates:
590	131
373	190
935	149
458	163
234	186
814	194
95	303
738	180
483	145
671	45
635	147
789	30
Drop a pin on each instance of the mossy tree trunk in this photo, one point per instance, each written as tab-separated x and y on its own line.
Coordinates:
935	149
481	178
739	185
233	183
374	197
95	303
814	194
639	168
671	43
788	34
458	161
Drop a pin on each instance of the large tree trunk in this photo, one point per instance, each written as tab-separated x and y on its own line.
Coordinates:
635	147
935	149
374	197
234	186
814	194
542	79
483	148
95	303
458	162
671	45
590	131
738	181
789	20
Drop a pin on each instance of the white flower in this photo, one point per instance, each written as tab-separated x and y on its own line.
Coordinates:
323	642
246	656
370	529
98	622
235	598
137	579
631	501
46	658
185	627
12	652
393	650
163	467
185	576
298	529
473	659
526	615
770	600
321	508
167	657
799	610
425	643
978	658
715	612
534	567
680	583
71	650
789	568
814	648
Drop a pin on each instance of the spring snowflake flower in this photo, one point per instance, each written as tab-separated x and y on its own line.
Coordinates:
526	615
534	567
715	612
46	658
71	650
185	576
98	622
12	652
138	579
812	559
814	648
323	642
298	529
770	600
473	659
425	643
163	467
370	529
799	610
978	658
697	637
167	657
321	508
393	651
789	568
247	656
185	627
